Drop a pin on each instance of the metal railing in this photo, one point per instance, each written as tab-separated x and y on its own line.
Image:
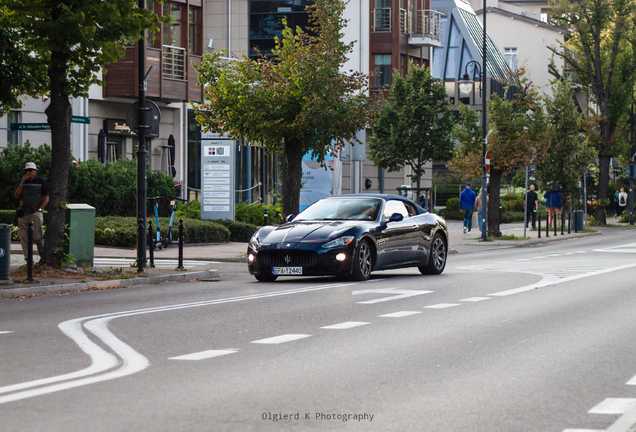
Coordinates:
174	62
403	21
382	19
429	24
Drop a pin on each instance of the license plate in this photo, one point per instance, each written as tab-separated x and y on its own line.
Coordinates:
287	270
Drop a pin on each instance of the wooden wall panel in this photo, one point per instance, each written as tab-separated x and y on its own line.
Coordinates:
175	90
121	76
195	92
153	58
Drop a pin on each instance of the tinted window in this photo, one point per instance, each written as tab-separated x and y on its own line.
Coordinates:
395	206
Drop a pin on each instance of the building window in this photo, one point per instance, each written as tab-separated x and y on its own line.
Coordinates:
152	39
174	52
172	31
194	33
382	70
510	54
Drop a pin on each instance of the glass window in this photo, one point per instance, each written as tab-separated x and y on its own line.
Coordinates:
383	70
510	54
12	136
395	206
172	31
193	38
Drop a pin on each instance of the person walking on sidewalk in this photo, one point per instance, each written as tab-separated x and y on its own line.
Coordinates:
33	193
532	204
466	204
553	203
622	202
479	208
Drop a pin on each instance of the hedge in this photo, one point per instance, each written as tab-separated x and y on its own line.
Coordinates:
122	231
240	231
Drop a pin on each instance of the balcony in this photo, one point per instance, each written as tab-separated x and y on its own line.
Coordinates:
174	63
382	20
428	31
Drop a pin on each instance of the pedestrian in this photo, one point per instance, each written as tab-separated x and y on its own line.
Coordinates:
532	204
33	193
479	208
622	202
466	204
616	206
553	203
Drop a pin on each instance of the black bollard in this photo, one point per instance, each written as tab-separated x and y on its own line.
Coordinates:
539	223
151	243
569	220
265	216
30	231
555	217
547	224
180	244
562	221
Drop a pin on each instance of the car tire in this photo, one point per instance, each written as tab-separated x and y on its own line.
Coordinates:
436	257
264	277
362	261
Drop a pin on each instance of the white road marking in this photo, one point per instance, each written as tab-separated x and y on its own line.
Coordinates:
5	332
626	248
584	430
631	381
102	361
204	355
398	294
614	406
476	299
281	339
160	263
401	314
345	325
442	306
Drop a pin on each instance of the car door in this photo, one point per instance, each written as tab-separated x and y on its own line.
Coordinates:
417	237
394	250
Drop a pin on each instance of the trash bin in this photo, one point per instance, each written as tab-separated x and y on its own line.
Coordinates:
578	220
5	251
79	241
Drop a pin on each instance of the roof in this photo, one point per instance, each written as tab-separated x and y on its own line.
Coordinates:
535	22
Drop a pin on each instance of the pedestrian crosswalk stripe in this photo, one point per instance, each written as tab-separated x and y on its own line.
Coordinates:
281	339
345	325
204	354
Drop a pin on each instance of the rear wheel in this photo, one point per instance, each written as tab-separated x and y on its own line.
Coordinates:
265	277
437	257
362	261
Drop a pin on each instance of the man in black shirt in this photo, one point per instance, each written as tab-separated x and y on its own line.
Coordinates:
33	193
531	206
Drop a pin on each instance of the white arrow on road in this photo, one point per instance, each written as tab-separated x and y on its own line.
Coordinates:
397	294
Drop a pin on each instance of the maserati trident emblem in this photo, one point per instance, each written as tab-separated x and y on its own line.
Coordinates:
287	259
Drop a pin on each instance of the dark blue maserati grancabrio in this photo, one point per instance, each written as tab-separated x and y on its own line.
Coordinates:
350	236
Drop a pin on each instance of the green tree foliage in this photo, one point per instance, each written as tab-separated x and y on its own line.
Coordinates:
520	133
414	126
601	53
570	151
70	41
467	132
296	102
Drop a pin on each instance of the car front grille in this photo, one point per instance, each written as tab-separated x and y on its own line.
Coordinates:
287	258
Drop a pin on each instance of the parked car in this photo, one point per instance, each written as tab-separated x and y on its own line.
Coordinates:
351	236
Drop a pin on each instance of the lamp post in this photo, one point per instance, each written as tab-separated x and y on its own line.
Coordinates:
465	86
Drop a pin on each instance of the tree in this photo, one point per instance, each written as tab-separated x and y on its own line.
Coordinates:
520	133
601	53
570	151
414	125
295	102
71	40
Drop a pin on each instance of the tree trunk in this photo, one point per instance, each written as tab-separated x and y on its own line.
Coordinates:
601	191
292	176
494	228
59	113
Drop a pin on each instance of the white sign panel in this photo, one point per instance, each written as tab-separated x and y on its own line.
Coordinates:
218	163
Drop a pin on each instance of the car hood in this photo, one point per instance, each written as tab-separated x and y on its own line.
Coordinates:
295	232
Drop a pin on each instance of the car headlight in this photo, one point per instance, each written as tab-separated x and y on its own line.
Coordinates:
254	241
342	241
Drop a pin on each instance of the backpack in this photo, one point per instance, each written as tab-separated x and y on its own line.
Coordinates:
622	200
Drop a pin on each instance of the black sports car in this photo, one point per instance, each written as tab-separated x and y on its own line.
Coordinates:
351	236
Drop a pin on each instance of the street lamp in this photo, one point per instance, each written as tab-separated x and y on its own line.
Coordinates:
465	86
466	83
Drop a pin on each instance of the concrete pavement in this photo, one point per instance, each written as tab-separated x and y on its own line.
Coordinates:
116	264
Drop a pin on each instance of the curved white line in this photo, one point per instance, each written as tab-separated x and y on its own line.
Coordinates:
102	361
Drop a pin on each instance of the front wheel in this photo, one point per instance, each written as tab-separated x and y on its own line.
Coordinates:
362	261
436	258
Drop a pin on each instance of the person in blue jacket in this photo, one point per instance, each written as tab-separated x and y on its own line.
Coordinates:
553	203
466	204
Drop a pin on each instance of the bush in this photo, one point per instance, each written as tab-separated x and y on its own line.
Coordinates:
253	213
190	210
512	216
451	211
8	217
239	231
122	231
512	203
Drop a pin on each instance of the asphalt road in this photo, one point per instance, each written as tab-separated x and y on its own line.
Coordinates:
523	339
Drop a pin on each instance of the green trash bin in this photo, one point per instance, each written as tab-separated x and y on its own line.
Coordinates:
79	243
578	221
5	251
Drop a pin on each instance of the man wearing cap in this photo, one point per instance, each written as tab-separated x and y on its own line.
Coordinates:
466	204
33	193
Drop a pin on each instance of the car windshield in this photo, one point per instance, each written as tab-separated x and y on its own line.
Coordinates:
342	209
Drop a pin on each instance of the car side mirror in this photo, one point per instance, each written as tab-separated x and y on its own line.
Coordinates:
396	217
289	218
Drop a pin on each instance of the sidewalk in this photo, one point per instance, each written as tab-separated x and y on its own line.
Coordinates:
202	260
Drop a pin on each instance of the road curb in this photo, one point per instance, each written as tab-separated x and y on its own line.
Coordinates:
114	283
